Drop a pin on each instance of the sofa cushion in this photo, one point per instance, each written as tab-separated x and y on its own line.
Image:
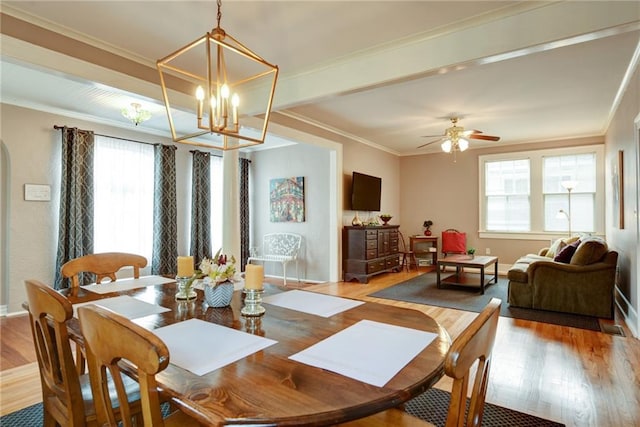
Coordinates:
555	248
518	272
567	252
590	250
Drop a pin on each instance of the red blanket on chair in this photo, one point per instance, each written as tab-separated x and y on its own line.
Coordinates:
454	242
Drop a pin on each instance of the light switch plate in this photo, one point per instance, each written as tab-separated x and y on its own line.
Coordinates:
37	192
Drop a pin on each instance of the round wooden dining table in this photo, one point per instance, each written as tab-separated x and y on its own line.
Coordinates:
267	387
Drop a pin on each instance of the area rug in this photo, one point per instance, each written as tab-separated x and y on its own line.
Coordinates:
423	290
430	406
32	416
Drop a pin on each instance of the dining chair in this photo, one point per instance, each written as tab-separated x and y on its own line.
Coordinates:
474	344
408	256
66	396
103	265
111	338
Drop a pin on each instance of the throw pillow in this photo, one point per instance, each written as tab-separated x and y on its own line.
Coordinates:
589	251
555	248
566	253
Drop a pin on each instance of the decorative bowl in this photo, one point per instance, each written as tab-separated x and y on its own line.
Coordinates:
385	218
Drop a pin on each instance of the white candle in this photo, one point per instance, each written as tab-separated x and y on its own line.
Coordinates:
253	276
185	266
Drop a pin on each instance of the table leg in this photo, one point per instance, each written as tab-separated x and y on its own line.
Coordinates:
438	276
495	275
482	279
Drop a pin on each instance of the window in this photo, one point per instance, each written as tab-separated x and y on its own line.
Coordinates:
507	195
216	203
521	194
580	204
123	196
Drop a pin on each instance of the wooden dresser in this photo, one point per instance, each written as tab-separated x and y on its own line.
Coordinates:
368	251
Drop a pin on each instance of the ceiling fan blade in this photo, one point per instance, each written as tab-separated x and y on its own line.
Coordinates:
429	143
432	136
484	137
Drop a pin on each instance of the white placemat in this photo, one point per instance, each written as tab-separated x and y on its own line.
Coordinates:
371	352
312	302
129	307
202	347
121	285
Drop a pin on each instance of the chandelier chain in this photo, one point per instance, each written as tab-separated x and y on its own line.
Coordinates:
219	16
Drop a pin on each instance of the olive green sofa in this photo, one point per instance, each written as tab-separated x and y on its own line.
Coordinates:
583	285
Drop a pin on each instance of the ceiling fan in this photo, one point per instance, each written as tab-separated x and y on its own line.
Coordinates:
456	138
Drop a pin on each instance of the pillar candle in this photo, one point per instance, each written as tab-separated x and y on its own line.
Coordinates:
185	266
253	276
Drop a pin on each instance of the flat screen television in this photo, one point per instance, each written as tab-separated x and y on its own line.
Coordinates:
365	192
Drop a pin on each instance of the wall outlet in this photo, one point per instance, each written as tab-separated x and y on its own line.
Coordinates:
487	251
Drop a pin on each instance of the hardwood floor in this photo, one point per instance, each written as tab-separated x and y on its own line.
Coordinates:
572	376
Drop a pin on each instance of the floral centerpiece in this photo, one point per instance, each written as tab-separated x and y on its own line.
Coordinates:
219	269
219	274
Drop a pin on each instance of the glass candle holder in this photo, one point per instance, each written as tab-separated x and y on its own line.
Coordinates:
252	303
185	288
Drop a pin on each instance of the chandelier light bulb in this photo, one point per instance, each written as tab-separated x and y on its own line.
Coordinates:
224	91
200	93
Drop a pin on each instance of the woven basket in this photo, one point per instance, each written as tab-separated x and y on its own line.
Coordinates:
218	296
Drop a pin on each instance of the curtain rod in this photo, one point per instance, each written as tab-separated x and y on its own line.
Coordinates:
133	140
111	136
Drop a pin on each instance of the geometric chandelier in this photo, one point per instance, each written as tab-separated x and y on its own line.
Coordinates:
224	84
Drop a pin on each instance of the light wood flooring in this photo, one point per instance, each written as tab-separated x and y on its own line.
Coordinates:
572	376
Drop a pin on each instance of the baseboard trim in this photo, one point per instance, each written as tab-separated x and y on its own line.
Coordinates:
627	310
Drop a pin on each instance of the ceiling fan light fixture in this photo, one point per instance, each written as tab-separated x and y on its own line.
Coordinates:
463	144
446	146
211	84
135	113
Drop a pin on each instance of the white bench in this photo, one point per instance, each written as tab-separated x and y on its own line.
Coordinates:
279	247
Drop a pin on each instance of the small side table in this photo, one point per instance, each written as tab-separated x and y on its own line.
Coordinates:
423	246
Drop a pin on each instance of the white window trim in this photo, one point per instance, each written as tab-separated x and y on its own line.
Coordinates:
537	221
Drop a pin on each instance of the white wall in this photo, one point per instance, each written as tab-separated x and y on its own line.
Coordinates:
33	157
623	134
312	163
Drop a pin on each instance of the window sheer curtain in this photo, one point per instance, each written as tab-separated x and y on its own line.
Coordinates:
124	191
165	211
200	206
75	231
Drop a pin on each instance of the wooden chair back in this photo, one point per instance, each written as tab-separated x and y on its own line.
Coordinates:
67	397
408	256
110	338
103	265
475	343
61	390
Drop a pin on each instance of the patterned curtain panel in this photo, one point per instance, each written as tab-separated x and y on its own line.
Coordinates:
75	232
244	211
165	210
200	206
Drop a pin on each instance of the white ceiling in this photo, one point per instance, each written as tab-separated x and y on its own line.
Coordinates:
383	73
